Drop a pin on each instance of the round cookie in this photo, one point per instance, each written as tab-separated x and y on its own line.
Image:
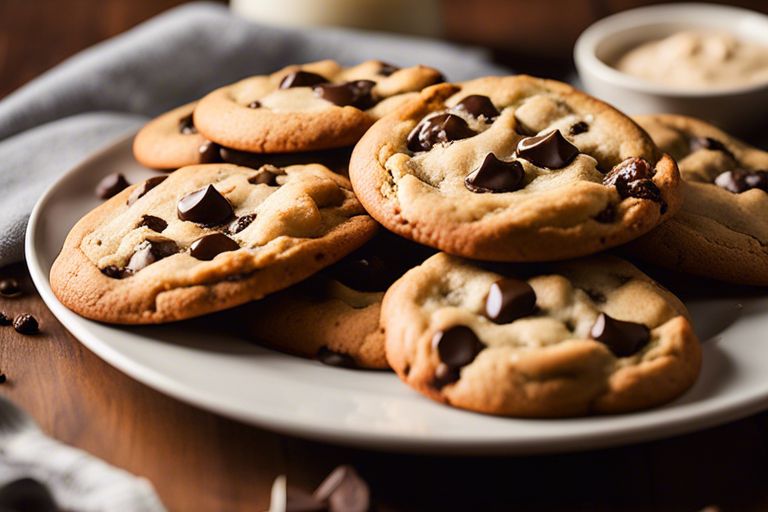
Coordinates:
314	106
513	169
206	238
721	230
334	315
580	337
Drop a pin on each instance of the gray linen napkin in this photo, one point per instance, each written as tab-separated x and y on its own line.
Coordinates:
104	92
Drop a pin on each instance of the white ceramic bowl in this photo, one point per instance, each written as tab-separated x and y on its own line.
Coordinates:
734	108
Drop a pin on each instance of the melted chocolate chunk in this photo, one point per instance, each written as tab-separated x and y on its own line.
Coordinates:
741	180
495	175
187	125
205	206
301	79
509	299
113	271
644	189
10	287
710	144
387	69
332	358
437	129
254	104
578	127
154	223
241	223
445	375
354	94
344	491
150	251
266	175
622	338
551	150
208	247
4	319
457	346
478	106
26	324
209	152
632	178
111	185
144	187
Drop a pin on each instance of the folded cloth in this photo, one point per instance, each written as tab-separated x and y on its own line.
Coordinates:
107	91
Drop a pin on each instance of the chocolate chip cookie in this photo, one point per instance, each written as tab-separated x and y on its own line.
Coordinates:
721	231
204	239
513	169
334	315
314	106
578	337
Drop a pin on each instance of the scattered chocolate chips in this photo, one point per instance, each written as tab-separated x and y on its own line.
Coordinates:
741	180
301	79
551	150
187	125
632	178
241	223
495	175
9	287
354	94
478	106
254	104
208	247
710	144
154	223
145	187
148	252
111	185
509	299
622	338
113	271
209	152
456	347
4	320
205	206
436	129
387	69
344	491
333	358
578	127
26	324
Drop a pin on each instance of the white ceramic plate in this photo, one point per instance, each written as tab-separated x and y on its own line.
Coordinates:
194	362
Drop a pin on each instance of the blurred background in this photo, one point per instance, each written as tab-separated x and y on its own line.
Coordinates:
535	37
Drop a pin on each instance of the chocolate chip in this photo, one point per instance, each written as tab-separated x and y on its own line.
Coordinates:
710	144
644	189
209	152
333	358
607	214
478	106
551	150
436	129
364	272
509	299
113	271
9	287
154	223
387	69
4	319
254	104
205	206
267	175
26	324
354	94
741	180
187	125
27	495
301	79
632	178
150	251
141	190
622	338
344	491
3	378
457	346
207	247
241	223
578	127
111	185
445	375
495	175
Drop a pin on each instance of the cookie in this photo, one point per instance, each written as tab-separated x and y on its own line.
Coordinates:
204	239
314	106
589	336
721	230
513	169
171	141
334	315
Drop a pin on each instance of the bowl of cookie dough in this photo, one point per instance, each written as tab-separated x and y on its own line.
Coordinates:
703	60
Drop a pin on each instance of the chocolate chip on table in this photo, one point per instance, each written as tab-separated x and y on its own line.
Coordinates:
622	338
387	69
436	129
254	104
710	144
26	324
4	320
344	491
333	358
509	299
495	176
9	287
551	150
205	206
354	94
154	223
208	247
578	127
149	252
187	125
111	185
241	223
456	347
741	180
113	271
209	152
147	185
478	106
301	79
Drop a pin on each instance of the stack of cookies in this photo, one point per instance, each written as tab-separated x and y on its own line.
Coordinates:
378	217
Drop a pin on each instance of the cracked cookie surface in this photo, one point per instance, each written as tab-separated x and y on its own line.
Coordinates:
721	230
578	337
513	169
204	239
